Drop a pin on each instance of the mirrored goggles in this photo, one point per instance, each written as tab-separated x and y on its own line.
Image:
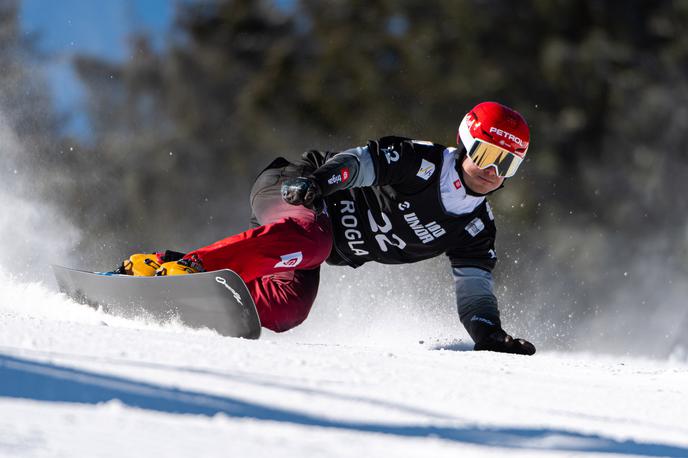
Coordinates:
486	155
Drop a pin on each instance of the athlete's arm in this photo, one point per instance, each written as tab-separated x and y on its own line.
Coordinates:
387	161
477	307
347	169
475	300
352	168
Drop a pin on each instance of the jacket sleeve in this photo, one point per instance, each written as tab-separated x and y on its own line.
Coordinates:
352	168
479	249
475	301
387	161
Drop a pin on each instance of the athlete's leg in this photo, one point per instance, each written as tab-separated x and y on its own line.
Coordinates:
284	300
289	236
283	295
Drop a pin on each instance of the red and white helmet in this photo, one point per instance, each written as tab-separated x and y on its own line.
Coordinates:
495	136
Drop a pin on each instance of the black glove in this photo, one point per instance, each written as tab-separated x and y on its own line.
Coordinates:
489	335
302	191
502	342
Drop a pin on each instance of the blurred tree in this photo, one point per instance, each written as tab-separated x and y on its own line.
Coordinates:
176	127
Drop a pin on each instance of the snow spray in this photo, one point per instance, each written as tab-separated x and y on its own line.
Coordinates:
33	234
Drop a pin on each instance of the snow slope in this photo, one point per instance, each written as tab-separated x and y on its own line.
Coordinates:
75	382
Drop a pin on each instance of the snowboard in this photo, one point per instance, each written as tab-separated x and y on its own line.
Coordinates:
216	300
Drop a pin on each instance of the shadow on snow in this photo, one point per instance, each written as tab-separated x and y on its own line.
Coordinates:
22	378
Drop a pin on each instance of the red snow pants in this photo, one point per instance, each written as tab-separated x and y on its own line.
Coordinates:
279	257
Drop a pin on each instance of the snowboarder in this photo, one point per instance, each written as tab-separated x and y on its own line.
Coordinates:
395	200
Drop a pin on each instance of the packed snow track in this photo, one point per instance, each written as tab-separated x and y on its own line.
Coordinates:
76	382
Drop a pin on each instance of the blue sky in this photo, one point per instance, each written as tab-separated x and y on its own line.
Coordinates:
94	27
98	27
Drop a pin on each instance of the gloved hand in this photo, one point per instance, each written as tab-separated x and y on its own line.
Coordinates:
302	191
183	266
487	333
502	342
145	264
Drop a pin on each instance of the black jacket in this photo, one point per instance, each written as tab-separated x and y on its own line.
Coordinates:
417	206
